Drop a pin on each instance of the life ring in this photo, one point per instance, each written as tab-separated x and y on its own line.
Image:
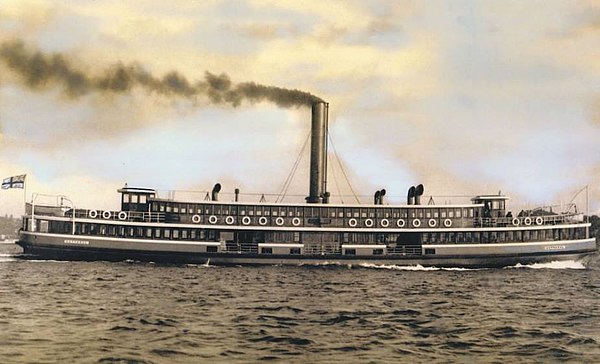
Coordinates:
432	223
196	219
93	214
229	220
263	220
106	214
447	223
296	221
539	220
279	221
384	223
122	215
246	220
416	223
352	222
369	222
400	223
212	219
527	221
516	221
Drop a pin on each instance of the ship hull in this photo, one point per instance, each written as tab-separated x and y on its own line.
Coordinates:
57	247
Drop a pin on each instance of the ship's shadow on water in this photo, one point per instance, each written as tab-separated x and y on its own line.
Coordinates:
150	313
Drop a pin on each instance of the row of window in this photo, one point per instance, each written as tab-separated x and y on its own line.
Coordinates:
504	236
60	227
301	211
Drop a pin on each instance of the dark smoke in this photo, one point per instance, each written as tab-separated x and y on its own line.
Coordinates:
39	70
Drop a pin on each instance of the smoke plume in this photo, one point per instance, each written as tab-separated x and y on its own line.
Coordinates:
38	70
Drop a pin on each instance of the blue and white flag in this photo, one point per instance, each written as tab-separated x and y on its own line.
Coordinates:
14	182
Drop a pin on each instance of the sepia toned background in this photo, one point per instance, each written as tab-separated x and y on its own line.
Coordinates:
466	97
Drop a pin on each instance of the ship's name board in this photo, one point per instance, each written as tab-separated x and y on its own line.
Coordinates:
555	247
78	242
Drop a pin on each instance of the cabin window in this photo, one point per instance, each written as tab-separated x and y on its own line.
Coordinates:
377	251
167	234
495	205
436	214
175	234
148	233
420	213
134	199
250	211
371	213
296	236
259	211
428	214
429	251
471	214
266	250
143	198
404	213
126	198
242	210
193	234
295	251
176	209
211	249
162	207
348	213
350	252
460	238
451	214
412	213
169	208
458	215
363	213
443	213
184	234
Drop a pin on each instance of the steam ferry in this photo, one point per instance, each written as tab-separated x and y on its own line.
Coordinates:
148	227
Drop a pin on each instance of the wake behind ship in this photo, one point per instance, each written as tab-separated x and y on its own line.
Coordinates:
147	227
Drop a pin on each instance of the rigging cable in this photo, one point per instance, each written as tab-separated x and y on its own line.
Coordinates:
337	186
288	180
342	168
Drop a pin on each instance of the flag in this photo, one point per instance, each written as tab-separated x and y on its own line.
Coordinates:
14	182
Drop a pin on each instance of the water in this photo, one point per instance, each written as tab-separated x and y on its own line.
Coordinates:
132	312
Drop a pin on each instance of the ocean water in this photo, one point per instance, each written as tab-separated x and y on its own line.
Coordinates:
130	312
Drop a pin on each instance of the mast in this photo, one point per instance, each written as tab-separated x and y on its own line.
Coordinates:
318	154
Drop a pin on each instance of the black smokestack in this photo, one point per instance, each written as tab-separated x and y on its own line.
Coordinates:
39	70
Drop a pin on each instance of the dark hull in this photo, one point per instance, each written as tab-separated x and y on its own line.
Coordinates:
38	251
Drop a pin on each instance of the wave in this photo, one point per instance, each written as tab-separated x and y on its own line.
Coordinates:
556	264
417	267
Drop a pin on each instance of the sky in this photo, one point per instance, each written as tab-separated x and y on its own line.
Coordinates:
465	97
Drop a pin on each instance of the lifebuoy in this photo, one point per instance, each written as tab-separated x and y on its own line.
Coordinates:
93	214
229	220
447	223
369	222
246	220
296	221
263	220
106	214
212	219
352	222
196	219
539	220
400	223
385	223
432	223
516	221
279	221
416	223
527	221
122	215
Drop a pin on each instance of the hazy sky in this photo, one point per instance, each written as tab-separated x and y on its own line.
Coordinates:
466	97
